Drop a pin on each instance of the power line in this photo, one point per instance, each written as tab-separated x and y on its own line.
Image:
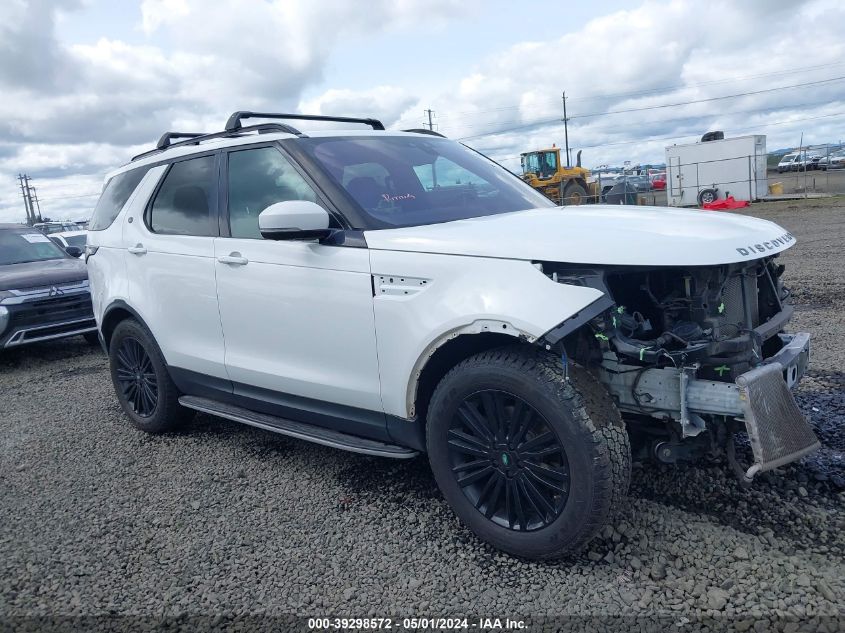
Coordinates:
472	113
653	107
83	195
682	136
769	109
616	95
709	99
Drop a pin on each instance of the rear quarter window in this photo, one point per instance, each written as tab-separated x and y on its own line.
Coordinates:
114	196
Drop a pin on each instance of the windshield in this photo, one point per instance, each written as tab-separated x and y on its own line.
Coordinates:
16	247
408	181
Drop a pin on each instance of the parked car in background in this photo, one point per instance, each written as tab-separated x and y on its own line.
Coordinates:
837	160
641	183
70	238
606	182
834	160
48	228
44	291
635	182
799	161
658	181
789	162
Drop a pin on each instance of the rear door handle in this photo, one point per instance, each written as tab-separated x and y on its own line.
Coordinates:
235	259
138	249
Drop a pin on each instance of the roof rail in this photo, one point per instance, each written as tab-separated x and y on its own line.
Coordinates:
262	128
164	141
423	130
234	122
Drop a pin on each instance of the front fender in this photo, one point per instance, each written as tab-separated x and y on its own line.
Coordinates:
422	300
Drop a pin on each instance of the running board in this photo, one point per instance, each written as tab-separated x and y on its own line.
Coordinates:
299	430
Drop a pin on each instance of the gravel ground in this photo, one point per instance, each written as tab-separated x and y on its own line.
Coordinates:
98	518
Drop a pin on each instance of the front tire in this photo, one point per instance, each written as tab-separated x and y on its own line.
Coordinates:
143	385
531	460
574	194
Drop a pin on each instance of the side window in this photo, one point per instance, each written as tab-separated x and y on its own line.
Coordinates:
114	196
258	178
185	202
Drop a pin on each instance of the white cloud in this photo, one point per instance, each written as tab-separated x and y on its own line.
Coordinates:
680	51
110	95
386	103
155	13
69	112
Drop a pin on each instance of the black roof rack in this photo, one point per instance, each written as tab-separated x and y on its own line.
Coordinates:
164	141
234	122
423	130
196	139
234	128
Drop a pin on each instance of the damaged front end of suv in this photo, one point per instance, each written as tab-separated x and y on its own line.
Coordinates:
693	355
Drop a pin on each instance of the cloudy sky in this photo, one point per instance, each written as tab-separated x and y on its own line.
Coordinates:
86	84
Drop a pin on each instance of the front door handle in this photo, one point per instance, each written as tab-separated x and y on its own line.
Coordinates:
235	259
138	249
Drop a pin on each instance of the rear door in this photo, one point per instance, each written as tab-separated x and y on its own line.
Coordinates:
297	315
170	270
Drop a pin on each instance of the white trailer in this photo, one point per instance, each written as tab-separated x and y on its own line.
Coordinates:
731	166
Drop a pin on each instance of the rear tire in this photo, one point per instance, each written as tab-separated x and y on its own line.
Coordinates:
141	381
561	479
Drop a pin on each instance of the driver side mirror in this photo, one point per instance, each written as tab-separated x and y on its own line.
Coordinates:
294	220
73	251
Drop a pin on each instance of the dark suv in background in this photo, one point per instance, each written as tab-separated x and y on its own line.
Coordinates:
44	291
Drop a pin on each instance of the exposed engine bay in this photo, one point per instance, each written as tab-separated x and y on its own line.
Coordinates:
692	355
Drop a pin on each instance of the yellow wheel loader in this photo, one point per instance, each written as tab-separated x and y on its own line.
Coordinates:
563	185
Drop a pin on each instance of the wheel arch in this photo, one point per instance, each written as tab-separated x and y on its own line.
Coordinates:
117	311
451	347
446	352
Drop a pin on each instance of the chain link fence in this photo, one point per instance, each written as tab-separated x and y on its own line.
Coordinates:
817	169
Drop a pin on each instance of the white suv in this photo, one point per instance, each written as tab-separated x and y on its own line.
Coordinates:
394	293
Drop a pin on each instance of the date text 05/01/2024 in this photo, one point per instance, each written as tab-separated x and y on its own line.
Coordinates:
430	623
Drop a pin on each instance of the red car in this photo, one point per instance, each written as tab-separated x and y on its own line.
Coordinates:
658	181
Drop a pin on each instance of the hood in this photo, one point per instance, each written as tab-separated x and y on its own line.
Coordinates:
44	273
597	234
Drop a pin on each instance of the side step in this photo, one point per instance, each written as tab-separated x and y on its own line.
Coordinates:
299	430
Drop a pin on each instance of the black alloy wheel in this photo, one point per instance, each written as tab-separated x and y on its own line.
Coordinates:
136	376
508	461
532	456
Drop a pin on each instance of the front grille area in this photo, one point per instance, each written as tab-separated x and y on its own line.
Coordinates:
51	310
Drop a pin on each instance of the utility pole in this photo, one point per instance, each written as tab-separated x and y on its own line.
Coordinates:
32	196
566	130
430	122
27	202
